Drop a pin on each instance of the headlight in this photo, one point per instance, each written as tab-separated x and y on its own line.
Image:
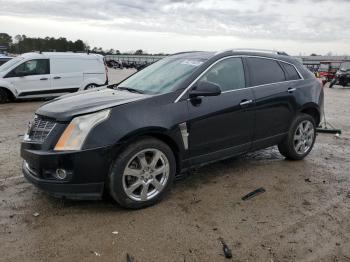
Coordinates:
76	132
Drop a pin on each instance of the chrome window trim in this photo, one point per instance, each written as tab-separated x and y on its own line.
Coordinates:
240	56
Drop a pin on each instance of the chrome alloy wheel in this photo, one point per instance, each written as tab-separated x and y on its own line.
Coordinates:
303	137
146	174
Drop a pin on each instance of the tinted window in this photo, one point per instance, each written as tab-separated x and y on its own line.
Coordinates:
265	71
32	67
292	74
228	74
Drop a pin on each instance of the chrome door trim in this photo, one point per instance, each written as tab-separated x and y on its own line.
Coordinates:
240	56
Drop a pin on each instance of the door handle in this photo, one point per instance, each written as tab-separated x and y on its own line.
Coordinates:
57	77
245	102
291	90
44	78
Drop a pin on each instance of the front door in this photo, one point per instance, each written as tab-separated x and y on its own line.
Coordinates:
31	78
222	125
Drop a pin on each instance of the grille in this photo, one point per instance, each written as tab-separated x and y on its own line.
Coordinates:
40	129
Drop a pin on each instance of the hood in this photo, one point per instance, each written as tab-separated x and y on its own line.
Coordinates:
66	107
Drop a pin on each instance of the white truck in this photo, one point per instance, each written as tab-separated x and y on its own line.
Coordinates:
50	74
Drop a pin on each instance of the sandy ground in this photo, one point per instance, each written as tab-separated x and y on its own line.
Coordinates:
294	220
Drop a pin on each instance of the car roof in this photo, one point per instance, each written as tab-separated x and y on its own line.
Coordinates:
194	55
232	52
34	55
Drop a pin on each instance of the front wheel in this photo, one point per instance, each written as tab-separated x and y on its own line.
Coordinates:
3	96
90	86
300	139
142	174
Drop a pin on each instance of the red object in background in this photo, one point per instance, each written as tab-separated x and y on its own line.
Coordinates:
328	69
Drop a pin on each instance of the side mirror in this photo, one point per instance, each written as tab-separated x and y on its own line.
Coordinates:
205	89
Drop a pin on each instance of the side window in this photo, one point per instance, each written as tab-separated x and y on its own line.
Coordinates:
264	71
292	74
32	67
228	74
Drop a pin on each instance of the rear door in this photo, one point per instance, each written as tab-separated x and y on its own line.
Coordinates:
66	74
222	125
31	78
275	103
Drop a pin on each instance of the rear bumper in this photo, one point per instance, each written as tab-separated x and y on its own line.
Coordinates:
86	171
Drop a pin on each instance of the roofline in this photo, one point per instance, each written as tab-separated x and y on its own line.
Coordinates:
186	52
253	50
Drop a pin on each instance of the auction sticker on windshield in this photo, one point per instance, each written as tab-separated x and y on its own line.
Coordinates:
192	62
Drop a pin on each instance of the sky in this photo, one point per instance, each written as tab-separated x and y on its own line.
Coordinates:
168	26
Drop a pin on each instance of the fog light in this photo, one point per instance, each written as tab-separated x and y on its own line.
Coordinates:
61	174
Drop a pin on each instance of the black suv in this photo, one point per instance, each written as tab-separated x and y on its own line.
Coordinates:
133	138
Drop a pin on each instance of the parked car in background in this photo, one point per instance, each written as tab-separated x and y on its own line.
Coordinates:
33	75
183	111
342	77
328	69
4	59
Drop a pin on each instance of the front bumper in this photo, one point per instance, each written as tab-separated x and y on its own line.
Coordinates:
86	171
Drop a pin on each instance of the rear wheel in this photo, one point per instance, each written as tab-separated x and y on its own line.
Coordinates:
3	96
142	174
300	139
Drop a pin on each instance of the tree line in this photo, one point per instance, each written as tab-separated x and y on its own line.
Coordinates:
23	44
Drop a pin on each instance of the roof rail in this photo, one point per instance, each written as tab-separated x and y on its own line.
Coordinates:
185	52
275	52
260	51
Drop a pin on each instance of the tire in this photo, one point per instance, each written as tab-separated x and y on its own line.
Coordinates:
292	147
3	96
142	189
90	86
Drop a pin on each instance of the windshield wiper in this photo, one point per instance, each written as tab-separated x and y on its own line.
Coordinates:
132	90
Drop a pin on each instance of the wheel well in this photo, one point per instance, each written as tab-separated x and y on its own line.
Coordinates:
312	112
90	84
165	139
10	95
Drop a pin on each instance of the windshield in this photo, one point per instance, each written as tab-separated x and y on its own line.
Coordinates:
345	66
10	63
162	76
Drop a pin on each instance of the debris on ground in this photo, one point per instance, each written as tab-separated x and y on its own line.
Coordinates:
195	200
306	203
36	214
226	249
115	232
254	193
96	253
307	180
129	258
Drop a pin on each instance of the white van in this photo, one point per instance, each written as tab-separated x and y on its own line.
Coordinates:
51	74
